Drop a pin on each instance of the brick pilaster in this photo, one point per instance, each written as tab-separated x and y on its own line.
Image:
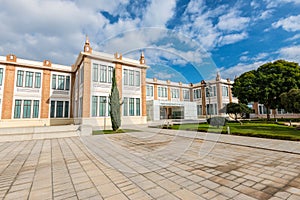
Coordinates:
86	88
45	94
155	89
169	90
229	91
8	92
119	78
180	92
73	92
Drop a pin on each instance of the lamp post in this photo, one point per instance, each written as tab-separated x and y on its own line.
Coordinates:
209	94
104	101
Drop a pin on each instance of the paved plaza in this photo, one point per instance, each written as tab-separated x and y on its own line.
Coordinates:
150	165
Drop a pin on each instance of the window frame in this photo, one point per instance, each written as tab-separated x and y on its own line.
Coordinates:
37	79
1	76
20	78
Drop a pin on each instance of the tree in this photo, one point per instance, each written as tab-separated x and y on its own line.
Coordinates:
267	83
238	110
115	105
290	101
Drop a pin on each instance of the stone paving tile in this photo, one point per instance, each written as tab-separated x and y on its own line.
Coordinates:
65	169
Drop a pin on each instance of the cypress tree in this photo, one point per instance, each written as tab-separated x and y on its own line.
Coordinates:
114	97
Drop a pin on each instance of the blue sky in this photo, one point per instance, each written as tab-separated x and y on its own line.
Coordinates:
183	40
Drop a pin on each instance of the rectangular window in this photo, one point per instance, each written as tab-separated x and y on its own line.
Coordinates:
102	106
20	75
215	109
1	76
137	78
61	82
186	94
53	81
35	113
110	74
175	93
149	91
214	91
67	82
125	106
199	109
131	77
125	77
17	112
37	82
81	74
103	72
209	109
27	109
29	79
95	72
131	106
59	109
197	94
225	91
94	106
208	92
66	114
138	106
52	109
162	92
159	91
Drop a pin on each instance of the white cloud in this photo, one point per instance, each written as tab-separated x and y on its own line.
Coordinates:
233	38
291	53
260	56
45	29
198	25
276	3
159	12
232	22
295	37
244	58
265	14
291	23
254	4
239	69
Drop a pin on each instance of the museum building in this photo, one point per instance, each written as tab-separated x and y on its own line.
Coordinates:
43	93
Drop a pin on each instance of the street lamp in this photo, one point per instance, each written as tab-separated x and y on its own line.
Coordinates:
104	101
209	94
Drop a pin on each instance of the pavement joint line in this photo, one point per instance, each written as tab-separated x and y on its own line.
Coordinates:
78	146
16	155
72	150
67	168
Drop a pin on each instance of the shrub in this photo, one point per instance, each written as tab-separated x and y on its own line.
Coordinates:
217	121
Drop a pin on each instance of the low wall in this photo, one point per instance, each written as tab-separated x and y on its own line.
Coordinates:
44	132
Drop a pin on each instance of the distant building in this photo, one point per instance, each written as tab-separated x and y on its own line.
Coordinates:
260	111
169	100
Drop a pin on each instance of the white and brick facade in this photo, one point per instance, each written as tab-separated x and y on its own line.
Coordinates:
43	94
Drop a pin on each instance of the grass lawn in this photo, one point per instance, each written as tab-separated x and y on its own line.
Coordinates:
265	130
100	132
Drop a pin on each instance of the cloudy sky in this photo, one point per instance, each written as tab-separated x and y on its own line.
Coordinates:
183	40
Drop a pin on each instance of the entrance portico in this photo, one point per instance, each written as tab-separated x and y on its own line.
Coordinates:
157	110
